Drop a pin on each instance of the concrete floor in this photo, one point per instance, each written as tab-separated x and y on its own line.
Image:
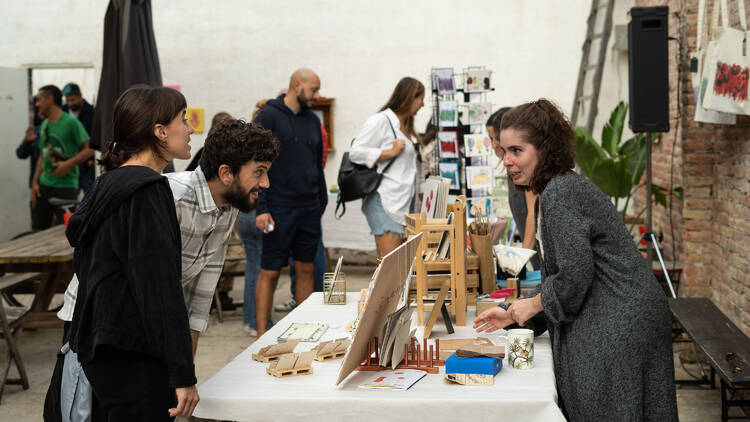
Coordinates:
223	341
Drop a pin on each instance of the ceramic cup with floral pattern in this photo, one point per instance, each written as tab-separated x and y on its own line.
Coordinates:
521	348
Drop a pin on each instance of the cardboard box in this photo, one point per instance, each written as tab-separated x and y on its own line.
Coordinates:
476	365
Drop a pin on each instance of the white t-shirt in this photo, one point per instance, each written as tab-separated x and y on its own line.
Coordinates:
397	187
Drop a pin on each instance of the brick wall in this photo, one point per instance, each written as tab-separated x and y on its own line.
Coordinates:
712	163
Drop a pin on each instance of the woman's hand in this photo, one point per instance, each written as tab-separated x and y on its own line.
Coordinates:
398	146
187	399
525	309
492	319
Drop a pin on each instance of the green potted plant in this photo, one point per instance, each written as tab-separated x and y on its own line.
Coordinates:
616	167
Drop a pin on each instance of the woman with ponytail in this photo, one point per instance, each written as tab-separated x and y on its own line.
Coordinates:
130	325
607	316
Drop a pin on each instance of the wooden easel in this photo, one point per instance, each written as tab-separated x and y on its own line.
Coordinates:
463	267
418	357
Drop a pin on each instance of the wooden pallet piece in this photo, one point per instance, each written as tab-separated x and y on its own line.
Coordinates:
292	365
275	351
333	349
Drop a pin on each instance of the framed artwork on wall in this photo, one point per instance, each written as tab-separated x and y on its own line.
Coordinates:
323	108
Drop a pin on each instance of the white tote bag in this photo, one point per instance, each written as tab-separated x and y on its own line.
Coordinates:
699	71
729	72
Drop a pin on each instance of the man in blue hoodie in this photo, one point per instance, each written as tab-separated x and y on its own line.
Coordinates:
289	211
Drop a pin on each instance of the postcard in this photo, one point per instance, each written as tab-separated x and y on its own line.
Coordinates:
448	144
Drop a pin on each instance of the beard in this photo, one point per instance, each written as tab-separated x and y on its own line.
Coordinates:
302	100
240	199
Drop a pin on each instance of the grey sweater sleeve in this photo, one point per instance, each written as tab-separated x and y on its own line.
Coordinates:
568	254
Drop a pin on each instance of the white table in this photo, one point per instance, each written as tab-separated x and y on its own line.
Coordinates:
242	391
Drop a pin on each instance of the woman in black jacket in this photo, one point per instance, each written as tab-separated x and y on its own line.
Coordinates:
130	325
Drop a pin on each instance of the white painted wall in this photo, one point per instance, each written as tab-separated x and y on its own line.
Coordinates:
14	173
228	54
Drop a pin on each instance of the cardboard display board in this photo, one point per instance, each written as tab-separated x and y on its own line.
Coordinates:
388	286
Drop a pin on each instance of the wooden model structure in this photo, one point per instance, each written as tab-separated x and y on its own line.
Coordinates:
334	288
333	349
420	357
275	351
292	364
462	268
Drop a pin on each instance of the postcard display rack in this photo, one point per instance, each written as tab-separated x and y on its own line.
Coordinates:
465	154
461	270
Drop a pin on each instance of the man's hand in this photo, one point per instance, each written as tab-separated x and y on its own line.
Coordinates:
187	399
62	168
263	221
492	319
30	135
35	192
525	309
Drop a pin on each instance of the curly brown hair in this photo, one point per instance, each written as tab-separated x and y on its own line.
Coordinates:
235	142
542	124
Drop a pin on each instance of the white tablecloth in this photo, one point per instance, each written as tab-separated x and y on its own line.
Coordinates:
351	232
242	391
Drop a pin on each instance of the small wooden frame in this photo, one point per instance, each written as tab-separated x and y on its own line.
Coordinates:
275	351
292	364
438	308
334	288
422	358
333	349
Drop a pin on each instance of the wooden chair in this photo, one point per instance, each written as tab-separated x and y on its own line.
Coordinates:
11	319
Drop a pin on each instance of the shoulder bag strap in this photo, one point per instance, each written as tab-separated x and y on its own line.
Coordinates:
394	137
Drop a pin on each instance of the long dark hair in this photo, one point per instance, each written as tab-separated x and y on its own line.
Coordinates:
406	91
137	111
543	125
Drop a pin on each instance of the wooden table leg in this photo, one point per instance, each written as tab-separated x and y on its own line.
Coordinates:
39	315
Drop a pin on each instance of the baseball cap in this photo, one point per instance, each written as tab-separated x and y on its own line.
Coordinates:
71	89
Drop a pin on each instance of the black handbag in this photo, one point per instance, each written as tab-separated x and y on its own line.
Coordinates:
357	181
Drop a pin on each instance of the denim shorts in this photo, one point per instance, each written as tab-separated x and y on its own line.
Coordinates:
378	220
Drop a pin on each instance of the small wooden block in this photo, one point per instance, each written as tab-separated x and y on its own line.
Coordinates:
453	344
473	350
292	364
331	349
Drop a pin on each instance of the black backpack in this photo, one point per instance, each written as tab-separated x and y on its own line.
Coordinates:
357	181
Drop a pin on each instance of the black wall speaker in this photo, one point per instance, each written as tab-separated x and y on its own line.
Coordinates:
648	69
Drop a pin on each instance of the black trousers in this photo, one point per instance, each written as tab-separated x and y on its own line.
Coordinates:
129	386
41	214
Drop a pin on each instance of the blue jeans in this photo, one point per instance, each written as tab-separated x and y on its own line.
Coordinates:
320	268
252	240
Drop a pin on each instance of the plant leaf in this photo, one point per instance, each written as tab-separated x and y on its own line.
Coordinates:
612	130
588	152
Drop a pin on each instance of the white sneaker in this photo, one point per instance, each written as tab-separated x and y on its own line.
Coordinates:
286	306
252	332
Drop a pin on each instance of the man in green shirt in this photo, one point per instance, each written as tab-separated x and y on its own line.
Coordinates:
63	145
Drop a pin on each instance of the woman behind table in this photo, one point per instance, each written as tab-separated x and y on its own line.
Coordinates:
385	136
607	316
130	326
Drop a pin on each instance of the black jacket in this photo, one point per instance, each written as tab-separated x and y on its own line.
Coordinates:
127	258
296	177
85	116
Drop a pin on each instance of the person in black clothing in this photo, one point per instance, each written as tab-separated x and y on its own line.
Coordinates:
130	325
289	211
29	147
81	109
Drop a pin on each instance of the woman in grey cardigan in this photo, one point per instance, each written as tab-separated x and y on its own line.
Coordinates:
607	316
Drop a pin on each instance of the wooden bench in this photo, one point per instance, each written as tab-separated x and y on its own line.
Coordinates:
726	347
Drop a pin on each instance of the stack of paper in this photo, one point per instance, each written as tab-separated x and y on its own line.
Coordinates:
396	333
435	200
